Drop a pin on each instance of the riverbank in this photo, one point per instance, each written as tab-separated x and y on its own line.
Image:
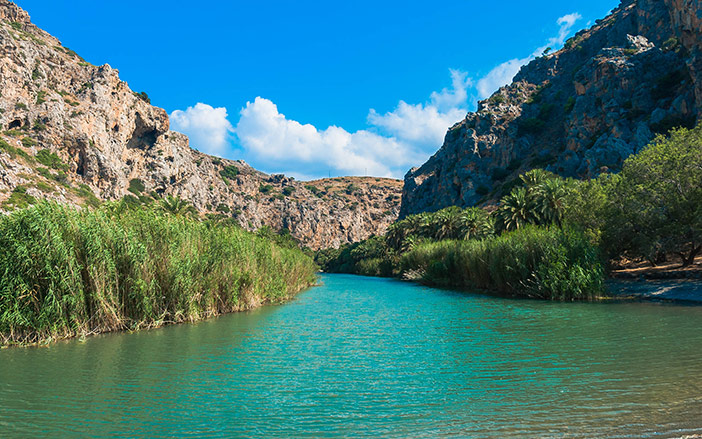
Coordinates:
678	290
69	273
671	270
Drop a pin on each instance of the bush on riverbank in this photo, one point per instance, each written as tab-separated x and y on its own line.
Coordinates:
65	272
539	262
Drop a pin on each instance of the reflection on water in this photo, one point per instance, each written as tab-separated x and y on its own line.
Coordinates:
373	358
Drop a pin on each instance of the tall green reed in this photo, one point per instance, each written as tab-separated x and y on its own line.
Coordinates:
540	262
65	272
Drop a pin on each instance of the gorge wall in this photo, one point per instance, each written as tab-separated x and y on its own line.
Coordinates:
578	112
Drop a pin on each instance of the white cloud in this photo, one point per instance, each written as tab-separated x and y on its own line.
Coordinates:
457	95
208	128
393	142
273	141
566	24
500	76
505	72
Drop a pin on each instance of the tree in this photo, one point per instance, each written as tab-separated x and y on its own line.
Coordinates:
516	210
550	200
398	233
445	224
475	223
535	177
660	196
177	206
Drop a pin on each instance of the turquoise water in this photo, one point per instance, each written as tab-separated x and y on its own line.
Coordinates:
363	357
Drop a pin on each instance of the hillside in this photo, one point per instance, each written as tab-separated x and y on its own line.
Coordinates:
76	133
578	112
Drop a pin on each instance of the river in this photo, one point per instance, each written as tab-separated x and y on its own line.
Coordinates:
365	357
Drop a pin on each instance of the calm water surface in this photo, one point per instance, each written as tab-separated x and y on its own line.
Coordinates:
360	357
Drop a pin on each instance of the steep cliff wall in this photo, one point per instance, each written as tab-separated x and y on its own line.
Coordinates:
577	112
76	133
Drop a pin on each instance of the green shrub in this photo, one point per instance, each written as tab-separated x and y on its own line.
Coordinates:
87	194
51	160
14	152
496	99
532	125
667	84
500	174
315	190
569	105
28	142
143	96
482	190
136	186
19	199
229	172
352	188
671	43
68	272
288	190
41	97
265	188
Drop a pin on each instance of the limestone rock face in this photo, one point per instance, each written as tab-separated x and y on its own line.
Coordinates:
75	132
577	112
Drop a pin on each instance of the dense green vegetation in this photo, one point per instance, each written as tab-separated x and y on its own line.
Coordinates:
653	208
550	237
68	272
546	263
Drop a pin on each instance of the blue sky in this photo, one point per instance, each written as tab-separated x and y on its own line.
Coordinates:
313	88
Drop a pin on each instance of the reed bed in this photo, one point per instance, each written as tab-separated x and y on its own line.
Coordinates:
66	272
539	262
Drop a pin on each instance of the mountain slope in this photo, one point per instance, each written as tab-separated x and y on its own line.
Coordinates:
76	133
577	112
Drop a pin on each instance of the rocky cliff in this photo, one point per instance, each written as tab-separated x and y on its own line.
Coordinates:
75	132
577	112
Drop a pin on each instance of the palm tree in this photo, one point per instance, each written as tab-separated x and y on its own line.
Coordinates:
177	206
398	233
475	223
549	197
517	209
418	224
535	177
445	224
395	234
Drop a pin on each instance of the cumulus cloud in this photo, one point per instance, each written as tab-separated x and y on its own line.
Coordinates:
505	72
393	142
500	76
208	128
272	140
449	98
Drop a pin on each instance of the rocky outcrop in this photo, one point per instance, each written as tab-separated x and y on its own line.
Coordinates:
578	112
76	133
